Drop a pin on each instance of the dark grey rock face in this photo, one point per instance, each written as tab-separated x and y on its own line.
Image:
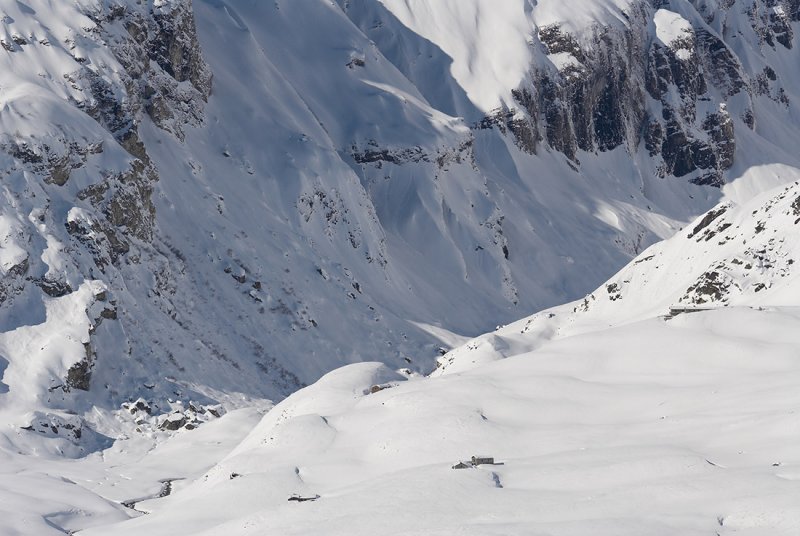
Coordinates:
173	422
159	51
599	103
625	89
593	104
174	46
79	376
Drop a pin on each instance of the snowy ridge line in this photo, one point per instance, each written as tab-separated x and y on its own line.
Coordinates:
734	255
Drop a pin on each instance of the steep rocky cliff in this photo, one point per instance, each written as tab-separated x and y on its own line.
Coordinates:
663	75
79	221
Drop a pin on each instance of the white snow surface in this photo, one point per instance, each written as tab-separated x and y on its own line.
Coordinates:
671	28
642	409
608	415
607	418
687	426
736	255
487	41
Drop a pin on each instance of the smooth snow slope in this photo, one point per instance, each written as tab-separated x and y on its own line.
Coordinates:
687	426
618	419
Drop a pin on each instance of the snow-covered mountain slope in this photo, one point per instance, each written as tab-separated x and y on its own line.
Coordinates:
735	255
216	202
665	402
611	415
658	428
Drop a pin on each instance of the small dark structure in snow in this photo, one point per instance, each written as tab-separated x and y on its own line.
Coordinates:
299	498
475	461
676	310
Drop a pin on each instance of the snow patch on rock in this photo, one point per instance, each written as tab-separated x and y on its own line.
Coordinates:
674	31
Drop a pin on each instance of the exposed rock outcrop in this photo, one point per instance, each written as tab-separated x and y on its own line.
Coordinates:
85	150
600	97
616	86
